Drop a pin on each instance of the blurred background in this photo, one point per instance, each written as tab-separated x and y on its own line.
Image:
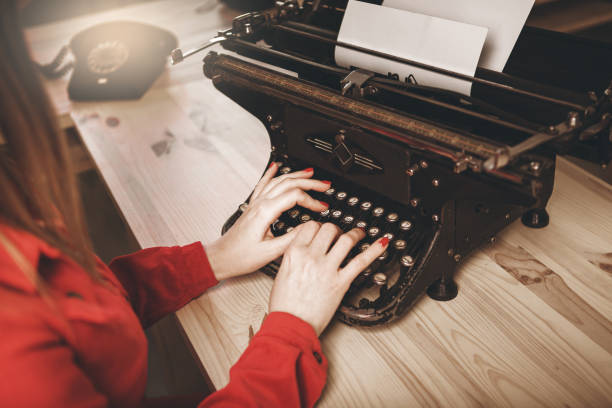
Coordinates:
589	18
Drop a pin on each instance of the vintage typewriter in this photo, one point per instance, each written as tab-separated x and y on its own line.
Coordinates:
438	173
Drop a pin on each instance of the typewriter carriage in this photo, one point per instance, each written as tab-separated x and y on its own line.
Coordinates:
465	166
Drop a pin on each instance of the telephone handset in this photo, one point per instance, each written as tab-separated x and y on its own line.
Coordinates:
116	60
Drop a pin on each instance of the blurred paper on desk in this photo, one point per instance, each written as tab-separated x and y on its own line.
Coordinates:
430	40
504	19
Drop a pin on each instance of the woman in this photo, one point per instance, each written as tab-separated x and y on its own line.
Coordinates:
71	326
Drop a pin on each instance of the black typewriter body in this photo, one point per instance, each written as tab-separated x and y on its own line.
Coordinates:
438	173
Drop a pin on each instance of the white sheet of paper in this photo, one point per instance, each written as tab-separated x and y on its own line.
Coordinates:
504	19
429	40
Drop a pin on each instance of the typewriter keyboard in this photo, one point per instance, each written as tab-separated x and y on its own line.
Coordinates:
352	207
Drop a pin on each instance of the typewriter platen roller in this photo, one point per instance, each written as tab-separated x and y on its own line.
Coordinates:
438	173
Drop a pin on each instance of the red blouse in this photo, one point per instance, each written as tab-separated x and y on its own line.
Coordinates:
87	347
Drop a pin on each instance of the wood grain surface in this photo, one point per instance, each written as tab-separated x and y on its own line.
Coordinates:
530	327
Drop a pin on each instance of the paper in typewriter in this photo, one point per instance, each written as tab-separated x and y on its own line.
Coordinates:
504	19
430	40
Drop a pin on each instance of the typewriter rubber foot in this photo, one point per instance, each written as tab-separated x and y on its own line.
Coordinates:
535	218
443	290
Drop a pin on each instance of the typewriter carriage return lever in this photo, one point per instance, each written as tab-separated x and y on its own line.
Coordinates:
439	173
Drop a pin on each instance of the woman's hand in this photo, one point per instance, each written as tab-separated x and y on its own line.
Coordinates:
310	283
249	244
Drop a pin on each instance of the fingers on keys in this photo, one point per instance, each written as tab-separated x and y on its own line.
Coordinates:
362	260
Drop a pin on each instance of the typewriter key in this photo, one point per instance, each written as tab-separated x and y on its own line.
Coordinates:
330	192
323	215
399	245
365	206
383	256
379	278
389	236
392	217
289	229
285	170
341	196
352	202
294	213
405	225
364	246
373	231
407	261
336	214
348	219
378	212
361	224
305	218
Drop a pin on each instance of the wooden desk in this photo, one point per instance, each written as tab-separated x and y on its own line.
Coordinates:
530	327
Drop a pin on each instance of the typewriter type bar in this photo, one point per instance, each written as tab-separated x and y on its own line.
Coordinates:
437	172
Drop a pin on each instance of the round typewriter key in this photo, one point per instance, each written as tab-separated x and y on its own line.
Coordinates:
305	218
378	212
392	217
285	170
341	196
348	219
330	192
336	214
364	246
278	226
407	260
324	213
379	278
389	236
352	202
405	225
373	231
289	229
365	206
383	256
399	245
294	213
361	224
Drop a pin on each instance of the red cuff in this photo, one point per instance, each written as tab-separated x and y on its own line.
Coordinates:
162	280
295	331
196	262
196	274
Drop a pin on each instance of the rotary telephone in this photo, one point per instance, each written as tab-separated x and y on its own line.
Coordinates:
115	60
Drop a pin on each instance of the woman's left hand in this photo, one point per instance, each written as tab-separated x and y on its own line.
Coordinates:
249	244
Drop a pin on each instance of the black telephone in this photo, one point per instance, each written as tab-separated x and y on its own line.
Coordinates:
115	60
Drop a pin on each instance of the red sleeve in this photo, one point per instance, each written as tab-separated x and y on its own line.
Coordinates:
38	368
282	367
162	280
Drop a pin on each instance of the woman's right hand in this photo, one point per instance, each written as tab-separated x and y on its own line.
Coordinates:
310	282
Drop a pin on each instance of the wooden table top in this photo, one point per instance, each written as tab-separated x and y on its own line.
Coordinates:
530	327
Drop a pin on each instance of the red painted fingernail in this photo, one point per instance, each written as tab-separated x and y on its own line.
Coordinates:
324	204
272	165
309	170
384	242
326	182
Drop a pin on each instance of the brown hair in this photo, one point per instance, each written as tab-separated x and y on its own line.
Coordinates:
38	190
